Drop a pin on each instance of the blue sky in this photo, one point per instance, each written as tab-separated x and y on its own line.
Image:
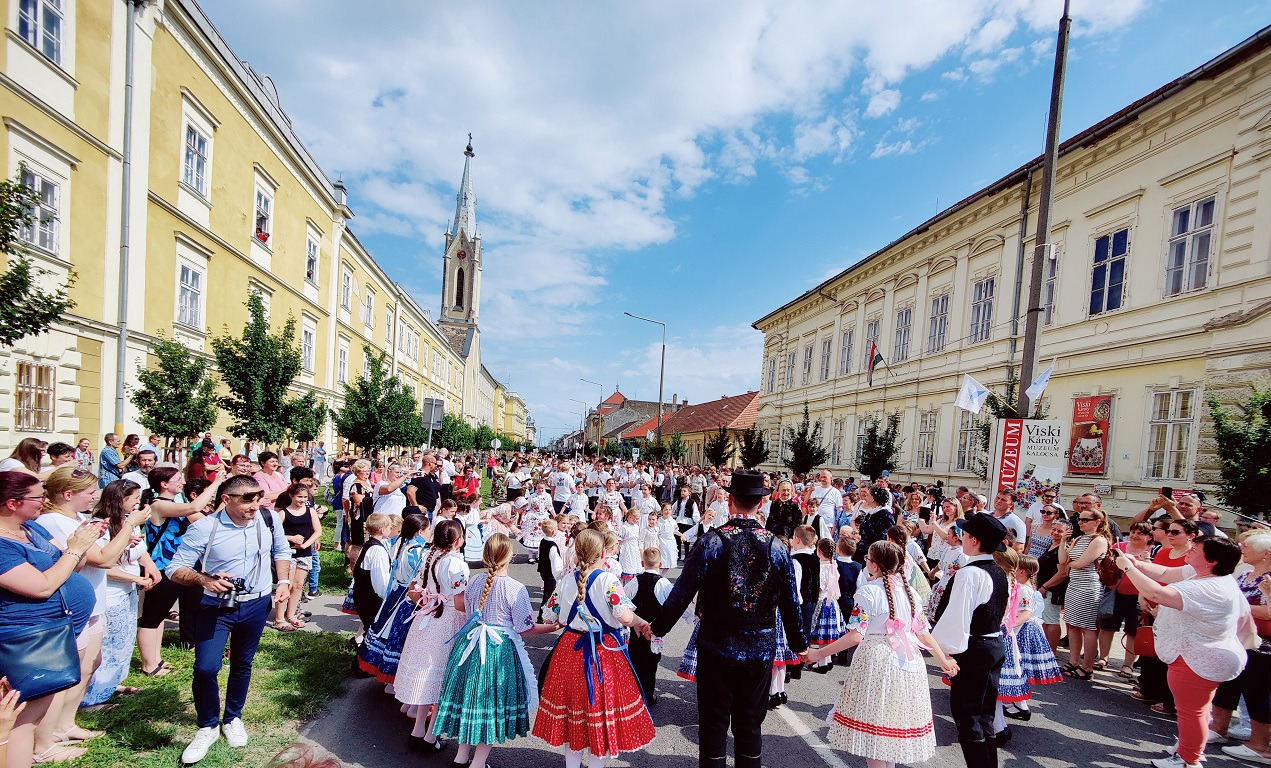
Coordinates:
699	164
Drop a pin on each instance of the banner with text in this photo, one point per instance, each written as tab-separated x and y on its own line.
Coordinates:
1028	457
1088	451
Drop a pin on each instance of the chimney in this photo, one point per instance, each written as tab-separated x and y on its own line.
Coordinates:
674	399
341	192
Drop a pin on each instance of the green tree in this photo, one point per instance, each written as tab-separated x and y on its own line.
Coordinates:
309	416
26	309
999	408
752	448
804	445
177	398
481	437
881	446
257	368
657	450
455	433
378	412
718	448
675	447
1242	433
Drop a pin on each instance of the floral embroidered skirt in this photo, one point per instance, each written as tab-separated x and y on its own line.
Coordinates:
883	712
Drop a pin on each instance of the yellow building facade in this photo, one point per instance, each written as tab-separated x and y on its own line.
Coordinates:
223	201
1157	295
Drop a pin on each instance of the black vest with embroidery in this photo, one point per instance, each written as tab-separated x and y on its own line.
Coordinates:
740	588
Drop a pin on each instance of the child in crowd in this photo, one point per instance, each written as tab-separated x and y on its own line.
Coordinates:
448	510
613	546
386	635
532	526
806	579
591	699
668	531
629	554
952	559
550	563
828	625
1035	664
649	531
849	577
489	689
371	572
579	503
437	595
647	592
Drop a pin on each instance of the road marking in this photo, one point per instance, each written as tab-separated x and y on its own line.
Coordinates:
801	730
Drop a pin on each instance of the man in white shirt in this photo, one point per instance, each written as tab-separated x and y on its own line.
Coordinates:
562	481
1004	510
153	446
968	627
446	474
825	500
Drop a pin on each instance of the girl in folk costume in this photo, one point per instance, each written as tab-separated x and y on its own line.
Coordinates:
668	531
439	613
387	633
532	525
952	560
591	699
613	563
489	689
1029	660
504	518
828	625
688	662
649	533
629	554
783	658
884	710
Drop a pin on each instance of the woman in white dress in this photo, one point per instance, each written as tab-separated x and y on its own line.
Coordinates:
884	710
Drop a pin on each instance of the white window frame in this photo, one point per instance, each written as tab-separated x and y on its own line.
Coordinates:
807	364
872	332
904	329
1170	426
982	295
34	397
33	19
836	442
925	453
938	325
346	288
196	160
845	352
861	423
827	353
263	216
342	363
967	437
771	375
368	308
1050	287
313	259
1183	252
184	289
790	369
308	344
1102	284
43	233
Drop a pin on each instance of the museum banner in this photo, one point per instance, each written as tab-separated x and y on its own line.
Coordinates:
1088	453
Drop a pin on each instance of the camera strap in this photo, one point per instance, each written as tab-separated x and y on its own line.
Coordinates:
260	545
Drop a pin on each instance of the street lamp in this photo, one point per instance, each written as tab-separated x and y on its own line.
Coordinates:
598	402
582	428
662	371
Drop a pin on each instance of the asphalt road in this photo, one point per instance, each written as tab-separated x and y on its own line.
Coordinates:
1074	723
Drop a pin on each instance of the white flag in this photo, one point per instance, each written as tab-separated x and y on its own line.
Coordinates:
972	395
1038	386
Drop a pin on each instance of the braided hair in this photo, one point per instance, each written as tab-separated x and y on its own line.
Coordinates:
497	553
889	558
589	547
444	536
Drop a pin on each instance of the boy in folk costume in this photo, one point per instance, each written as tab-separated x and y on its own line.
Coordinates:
968	626
647	592
550	563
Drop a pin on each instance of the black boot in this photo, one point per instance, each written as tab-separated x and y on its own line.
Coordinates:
976	754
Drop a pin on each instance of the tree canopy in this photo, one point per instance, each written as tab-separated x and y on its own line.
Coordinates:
752	448
880	449
1242	433
26	309
804	445
257	368
177	397
718	448
378	412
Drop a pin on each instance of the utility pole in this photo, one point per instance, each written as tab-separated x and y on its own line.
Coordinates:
1042	251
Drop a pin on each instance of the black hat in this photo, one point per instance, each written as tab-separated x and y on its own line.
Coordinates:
747	482
987	530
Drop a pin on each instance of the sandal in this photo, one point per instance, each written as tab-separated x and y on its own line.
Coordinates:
1161	709
284	626
1126	673
297	622
1067	669
1101	664
1137	696
58	753
160	670
1078	673
65	737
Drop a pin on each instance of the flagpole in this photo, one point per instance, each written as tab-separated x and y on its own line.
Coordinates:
1049	160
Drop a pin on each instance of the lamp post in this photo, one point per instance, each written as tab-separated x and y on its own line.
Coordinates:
601	387
582	427
661	371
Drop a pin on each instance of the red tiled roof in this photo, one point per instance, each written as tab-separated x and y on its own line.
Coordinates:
735	412
613	401
639	431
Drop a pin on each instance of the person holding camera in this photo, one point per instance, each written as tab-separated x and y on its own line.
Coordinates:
236	550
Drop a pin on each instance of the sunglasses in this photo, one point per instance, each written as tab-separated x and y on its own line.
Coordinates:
1173	532
1088	519
248	497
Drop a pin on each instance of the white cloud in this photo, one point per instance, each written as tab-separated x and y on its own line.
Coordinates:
883	103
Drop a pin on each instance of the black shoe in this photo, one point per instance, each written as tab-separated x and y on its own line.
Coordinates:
784	698
1002	737
420	744
1019	714
774	701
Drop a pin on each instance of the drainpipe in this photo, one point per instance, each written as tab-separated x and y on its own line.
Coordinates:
125	217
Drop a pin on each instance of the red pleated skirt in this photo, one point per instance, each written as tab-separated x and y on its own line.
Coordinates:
617	722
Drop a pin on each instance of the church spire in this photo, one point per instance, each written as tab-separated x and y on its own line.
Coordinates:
466	200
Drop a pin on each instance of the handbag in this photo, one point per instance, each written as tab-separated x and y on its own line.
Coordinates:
1108	604
42	661
1109	573
1145	641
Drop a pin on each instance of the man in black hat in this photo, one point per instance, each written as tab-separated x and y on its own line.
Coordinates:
969	628
742	576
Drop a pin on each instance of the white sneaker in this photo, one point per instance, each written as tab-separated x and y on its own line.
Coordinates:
198	747
235	733
1216	738
1240	732
1173	761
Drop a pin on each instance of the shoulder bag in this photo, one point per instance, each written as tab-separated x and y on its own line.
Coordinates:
41	661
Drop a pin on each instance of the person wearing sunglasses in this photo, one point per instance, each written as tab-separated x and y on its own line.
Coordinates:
237	550
1154	688
1091	543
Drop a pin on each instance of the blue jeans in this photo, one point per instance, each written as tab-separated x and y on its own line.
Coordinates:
313	572
240	627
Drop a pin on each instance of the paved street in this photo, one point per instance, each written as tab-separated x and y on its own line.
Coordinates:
1073	724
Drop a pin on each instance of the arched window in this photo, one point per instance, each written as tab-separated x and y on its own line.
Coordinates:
459	288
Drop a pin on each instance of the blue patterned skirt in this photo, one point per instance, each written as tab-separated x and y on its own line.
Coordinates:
117	644
1034	664
489	689
688	662
382	649
828	625
784	656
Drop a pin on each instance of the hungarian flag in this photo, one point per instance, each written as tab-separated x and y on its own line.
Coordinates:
875	359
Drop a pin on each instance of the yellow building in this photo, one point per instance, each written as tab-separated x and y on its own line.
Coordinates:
222	200
1157	295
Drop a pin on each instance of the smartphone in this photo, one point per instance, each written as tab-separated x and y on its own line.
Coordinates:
1167	492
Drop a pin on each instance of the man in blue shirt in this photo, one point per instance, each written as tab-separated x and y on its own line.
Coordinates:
743	577
237	550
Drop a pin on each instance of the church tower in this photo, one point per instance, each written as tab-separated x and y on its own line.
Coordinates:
461	278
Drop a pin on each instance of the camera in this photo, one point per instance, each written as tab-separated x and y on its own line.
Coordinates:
238	585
